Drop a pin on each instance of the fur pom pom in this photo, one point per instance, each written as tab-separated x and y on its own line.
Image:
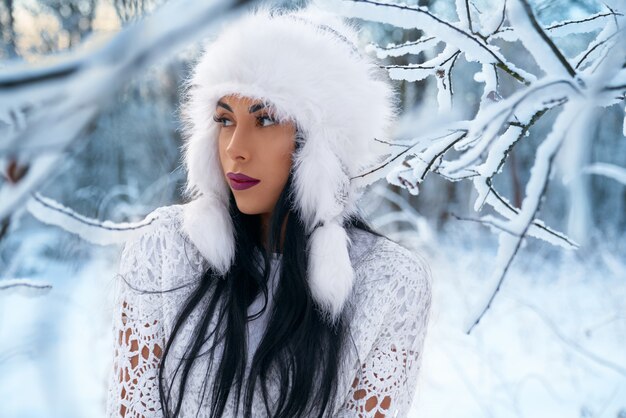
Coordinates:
207	222
331	275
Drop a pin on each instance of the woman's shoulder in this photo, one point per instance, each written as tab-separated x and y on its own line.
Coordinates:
379	260
159	234
164	220
370	249
392	293
168	217
160	247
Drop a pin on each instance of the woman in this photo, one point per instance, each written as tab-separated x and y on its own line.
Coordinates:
268	294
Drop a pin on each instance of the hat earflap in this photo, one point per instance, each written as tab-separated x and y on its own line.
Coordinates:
321	188
206	220
331	275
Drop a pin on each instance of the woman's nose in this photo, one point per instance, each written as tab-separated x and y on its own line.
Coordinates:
238	145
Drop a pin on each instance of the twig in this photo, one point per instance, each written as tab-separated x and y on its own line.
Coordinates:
469	36
570	342
546	39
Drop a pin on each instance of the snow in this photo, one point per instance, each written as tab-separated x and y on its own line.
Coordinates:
461	11
552	342
517	223
410	47
491	20
490	78
492	164
51	212
541	169
559	28
415	72
552	346
82	82
56	350
609	170
409	17
27	287
597	48
587	24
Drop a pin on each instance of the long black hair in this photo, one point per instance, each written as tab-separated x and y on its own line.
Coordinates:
298	345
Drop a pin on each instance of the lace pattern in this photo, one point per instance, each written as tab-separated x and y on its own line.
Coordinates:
391	316
389	311
138	332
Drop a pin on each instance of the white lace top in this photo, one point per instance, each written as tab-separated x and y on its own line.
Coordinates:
389	307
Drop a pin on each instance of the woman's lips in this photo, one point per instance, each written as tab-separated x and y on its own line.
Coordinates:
241	181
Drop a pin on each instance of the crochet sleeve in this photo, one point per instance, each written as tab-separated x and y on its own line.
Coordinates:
387	379
137	331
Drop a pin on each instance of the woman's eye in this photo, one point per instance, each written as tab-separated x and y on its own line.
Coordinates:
268	118
264	120
220	120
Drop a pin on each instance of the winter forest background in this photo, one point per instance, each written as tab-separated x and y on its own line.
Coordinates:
507	170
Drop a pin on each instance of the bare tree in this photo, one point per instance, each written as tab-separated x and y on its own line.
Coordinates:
476	149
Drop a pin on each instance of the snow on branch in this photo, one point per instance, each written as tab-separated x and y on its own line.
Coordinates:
535	40
613	171
92	230
477	148
411	47
452	34
25	287
566	27
98	232
45	109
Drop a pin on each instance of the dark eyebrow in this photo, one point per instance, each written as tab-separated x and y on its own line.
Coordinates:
256	107
224	105
252	109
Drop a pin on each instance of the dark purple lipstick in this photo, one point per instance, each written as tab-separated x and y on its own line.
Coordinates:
239	181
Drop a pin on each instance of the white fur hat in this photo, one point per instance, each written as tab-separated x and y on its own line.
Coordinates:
307	66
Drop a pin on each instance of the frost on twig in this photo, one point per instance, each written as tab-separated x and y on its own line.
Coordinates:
476	148
615	172
91	230
26	287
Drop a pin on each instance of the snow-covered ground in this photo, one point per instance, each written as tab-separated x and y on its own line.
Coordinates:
552	345
55	349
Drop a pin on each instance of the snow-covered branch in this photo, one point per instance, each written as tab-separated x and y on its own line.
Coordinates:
92	230
27	287
477	148
46	109
615	172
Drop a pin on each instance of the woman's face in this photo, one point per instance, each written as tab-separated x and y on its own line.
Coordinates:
253	144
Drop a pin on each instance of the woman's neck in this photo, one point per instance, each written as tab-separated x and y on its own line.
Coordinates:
265	225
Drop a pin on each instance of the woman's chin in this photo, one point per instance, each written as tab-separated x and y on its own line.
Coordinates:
249	209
